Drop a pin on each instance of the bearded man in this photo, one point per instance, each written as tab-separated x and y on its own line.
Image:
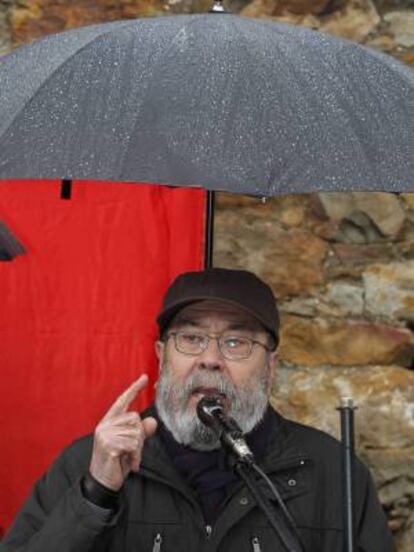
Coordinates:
163	483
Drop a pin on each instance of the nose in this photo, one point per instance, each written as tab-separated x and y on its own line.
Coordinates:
211	358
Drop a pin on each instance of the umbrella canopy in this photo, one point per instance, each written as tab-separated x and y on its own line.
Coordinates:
214	100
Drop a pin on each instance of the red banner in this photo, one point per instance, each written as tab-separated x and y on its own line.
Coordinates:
77	310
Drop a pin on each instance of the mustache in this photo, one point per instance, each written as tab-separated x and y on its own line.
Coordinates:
206	379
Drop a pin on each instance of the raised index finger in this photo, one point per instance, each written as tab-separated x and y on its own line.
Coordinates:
125	399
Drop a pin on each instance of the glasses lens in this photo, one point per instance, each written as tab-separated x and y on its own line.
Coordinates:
189	343
234	347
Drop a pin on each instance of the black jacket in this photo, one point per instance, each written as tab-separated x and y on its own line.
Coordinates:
160	513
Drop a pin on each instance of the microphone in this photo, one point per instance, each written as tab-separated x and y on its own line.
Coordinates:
211	413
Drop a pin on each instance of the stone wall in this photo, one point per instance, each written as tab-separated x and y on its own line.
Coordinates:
342	265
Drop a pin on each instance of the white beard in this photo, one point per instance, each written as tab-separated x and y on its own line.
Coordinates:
247	404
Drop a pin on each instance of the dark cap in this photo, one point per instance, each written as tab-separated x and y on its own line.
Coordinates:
237	287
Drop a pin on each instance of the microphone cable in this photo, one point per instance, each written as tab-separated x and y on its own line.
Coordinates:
211	413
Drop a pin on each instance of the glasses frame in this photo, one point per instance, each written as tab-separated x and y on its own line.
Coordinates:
208	338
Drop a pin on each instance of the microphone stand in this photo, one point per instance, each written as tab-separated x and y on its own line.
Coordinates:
285	531
346	410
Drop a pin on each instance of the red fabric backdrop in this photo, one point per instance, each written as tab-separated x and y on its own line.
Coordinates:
77	311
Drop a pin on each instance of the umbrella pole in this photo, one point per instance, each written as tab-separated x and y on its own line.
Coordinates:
346	410
209	232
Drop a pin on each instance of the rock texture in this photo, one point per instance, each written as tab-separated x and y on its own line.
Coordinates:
324	341
5	28
353	19
35	18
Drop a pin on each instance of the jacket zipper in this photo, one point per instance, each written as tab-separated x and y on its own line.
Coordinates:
256	544
209	530
157	543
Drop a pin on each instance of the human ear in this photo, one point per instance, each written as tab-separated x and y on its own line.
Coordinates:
159	349
273	359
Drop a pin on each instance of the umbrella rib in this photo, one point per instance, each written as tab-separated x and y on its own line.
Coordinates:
267	192
50	76
163	54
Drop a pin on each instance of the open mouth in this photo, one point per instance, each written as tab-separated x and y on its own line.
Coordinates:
199	392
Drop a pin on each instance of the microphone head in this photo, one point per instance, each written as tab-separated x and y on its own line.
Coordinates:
209	409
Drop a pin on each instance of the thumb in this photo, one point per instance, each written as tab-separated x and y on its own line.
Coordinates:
149	425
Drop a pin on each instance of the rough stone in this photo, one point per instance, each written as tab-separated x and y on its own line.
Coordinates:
389	5
279	7
383	394
389	290
291	261
382	209
401	24
393	470
301	306
405	539
382	42
319	341
35	18
384	399
347	299
193	6
350	260
405	56
5	31
355	21
409	200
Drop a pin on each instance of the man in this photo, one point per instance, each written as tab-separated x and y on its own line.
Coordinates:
163	483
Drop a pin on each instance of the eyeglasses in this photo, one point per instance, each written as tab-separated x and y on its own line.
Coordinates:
231	347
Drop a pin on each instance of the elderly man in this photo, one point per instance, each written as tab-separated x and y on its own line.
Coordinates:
163	483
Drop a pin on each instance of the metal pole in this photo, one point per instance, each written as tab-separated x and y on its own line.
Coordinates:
346	410
209	236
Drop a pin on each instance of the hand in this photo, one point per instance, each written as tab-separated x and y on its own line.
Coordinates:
119	438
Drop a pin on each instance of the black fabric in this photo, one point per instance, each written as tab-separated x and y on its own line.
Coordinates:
157	504
98	494
209	473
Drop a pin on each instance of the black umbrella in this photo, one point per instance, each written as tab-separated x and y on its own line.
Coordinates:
215	100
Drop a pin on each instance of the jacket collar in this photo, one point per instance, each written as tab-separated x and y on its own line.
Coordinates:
282	450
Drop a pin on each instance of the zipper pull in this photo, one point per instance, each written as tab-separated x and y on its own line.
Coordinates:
157	543
256	544
209	530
